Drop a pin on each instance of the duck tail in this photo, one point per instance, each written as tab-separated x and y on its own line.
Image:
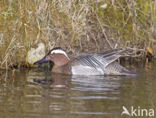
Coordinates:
129	73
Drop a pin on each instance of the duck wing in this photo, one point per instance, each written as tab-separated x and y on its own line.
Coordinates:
110	56
88	60
100	60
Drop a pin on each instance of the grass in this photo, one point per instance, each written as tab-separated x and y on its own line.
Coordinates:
75	25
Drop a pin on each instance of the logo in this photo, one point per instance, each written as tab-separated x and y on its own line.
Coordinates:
137	111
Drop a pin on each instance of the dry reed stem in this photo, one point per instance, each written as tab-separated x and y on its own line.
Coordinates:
76	26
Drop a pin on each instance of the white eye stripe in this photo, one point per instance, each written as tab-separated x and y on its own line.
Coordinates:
60	51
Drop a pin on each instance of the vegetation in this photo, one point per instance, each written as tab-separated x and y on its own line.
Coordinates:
75	25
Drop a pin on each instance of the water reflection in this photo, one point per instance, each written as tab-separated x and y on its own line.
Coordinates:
38	93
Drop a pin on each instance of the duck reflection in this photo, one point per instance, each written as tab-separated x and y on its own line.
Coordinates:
81	83
59	81
48	79
78	94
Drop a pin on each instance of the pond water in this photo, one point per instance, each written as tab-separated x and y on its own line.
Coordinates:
38	93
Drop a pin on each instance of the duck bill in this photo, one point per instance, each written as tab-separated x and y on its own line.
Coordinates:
43	60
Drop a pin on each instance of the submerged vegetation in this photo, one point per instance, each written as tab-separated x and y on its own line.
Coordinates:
75	25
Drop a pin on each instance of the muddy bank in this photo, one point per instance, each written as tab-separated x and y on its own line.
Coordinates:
76	26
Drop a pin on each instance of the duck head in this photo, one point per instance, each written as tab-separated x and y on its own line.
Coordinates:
57	55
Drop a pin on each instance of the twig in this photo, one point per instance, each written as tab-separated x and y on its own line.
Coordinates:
104	32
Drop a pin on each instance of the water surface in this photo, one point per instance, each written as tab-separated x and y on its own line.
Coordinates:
37	93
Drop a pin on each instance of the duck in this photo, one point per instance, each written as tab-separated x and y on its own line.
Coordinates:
100	63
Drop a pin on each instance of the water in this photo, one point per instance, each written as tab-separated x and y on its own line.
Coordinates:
37	93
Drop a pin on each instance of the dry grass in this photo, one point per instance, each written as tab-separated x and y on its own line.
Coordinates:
75	25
